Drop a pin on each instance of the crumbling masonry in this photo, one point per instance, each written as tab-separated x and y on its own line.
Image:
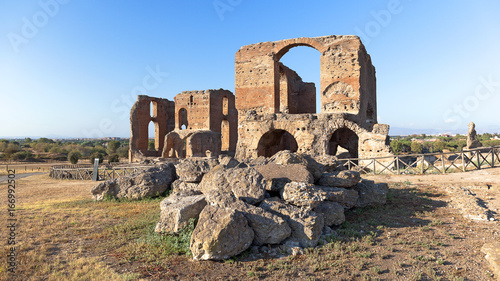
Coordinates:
275	110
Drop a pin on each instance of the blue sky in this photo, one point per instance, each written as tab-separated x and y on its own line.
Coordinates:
74	68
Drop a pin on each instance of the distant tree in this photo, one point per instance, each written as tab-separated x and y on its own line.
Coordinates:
97	155
45	140
438	146
122	151
20	155
74	156
416	147
88	143
151	145
11	149
397	146
113	146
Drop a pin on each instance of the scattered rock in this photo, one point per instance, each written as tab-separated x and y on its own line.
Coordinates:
220	234
332	212
344	179
244	183
286	157
183	188
175	214
464	200
303	194
268	227
228	161
306	225
371	194
278	175
322	164
192	169
492	251
348	198
148	183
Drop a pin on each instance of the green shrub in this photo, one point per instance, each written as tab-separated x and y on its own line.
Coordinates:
74	156
96	155
113	158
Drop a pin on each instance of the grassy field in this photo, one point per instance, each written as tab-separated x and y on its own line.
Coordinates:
64	235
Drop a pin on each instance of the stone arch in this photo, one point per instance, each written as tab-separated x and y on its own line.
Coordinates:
346	139
284	46
274	141
292	95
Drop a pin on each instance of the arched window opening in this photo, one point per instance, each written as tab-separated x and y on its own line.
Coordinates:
299	85
225	106
153	109
152	143
274	141
344	144
183	119
224	130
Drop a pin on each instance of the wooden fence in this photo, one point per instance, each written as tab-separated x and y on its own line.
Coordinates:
85	172
438	163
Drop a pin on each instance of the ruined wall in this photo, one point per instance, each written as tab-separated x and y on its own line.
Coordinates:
196	106
347	75
140	117
295	95
271	100
209	110
192	143
314	134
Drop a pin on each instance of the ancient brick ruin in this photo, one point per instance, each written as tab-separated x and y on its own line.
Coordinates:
273	109
162	117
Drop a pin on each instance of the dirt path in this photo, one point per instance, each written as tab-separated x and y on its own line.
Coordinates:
484	184
19	176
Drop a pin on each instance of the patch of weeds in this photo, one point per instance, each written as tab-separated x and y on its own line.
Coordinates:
407	183
155	245
425	228
363	255
376	270
436	223
361	265
440	261
416	276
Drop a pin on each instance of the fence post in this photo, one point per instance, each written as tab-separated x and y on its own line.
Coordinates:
478	162
442	161
397	164
463	160
492	157
422	165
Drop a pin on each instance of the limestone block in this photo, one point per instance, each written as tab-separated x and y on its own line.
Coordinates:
176	215
220	234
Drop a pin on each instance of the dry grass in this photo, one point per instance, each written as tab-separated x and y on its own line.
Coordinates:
64	235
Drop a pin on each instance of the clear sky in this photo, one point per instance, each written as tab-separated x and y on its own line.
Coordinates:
74	68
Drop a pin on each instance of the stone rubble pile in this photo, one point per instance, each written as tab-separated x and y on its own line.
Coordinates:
287	202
